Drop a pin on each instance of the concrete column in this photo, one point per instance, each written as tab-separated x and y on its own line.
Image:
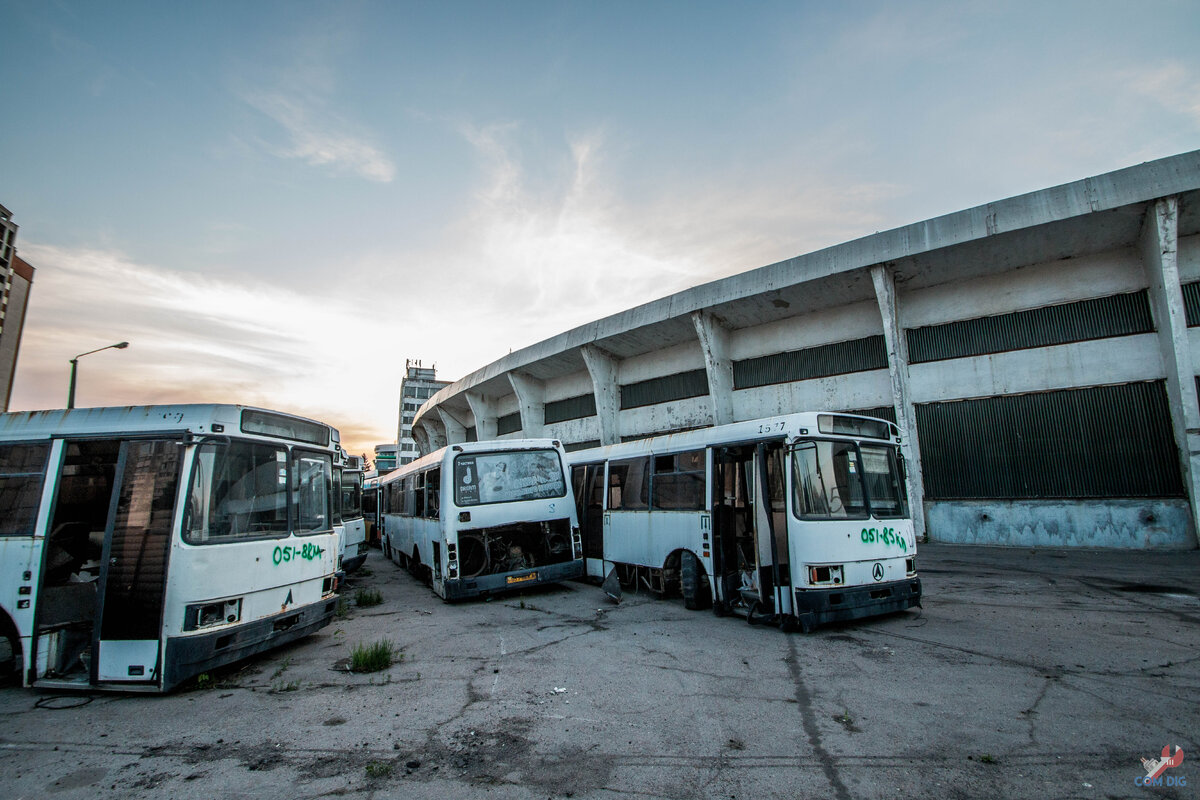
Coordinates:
437	437
714	342
1159	246
906	415
531	401
456	432
484	409
423	448
603	366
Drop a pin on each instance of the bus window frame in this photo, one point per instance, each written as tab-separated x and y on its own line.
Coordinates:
869	509
562	468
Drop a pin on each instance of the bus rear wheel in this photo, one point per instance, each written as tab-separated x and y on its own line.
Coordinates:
693	582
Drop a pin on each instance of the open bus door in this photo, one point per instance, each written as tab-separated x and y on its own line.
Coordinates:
100	601
750	531
587	481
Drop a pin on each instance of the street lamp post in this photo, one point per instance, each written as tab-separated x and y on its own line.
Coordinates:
75	363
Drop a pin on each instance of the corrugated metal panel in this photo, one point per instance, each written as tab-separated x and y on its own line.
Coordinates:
578	407
1191	303
840	358
879	412
1104	441
681	385
586	445
1116	315
509	423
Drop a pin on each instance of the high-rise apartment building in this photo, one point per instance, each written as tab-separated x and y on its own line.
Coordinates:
17	276
419	384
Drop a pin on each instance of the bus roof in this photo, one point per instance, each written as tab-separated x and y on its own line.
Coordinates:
199	418
778	427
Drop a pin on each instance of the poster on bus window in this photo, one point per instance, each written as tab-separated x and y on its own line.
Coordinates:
507	477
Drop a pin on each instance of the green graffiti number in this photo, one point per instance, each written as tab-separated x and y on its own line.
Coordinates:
283	553
887	536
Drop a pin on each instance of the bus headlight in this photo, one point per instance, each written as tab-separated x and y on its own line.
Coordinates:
208	615
576	543
910	566
826	575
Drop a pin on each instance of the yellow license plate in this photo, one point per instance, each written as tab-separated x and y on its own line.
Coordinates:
521	578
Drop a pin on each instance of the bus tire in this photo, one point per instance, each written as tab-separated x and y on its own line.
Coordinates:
693	583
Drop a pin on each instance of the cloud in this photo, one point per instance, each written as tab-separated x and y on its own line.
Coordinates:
320	138
1172	85
194	339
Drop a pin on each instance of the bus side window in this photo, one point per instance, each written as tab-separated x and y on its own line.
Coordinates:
678	483
433	491
628	485
22	468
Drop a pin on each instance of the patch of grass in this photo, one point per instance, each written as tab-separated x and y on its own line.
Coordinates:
343	609
379	769
205	681
287	662
987	758
374	657
290	686
367	597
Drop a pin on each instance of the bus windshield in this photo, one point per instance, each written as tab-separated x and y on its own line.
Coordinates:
842	480
507	477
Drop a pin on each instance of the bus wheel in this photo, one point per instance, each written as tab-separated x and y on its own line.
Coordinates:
693	583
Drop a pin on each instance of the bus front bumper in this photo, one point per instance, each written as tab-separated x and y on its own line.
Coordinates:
819	606
188	656
512	581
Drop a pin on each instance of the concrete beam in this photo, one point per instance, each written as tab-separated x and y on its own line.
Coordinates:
1159	245
456	432
713	334
531	402
906	416
484	410
604	367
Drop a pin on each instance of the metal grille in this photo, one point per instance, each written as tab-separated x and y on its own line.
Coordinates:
1116	315
879	412
840	358
681	385
1104	441
1191	303
509	423
578	407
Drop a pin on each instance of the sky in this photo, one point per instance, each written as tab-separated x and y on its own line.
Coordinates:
278	203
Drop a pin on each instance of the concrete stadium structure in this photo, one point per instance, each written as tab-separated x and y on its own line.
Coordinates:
1043	349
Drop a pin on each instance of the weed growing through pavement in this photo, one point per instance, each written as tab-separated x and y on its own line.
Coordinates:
373	657
367	597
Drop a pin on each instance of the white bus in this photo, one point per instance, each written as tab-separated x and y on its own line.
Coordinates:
483	517
141	546
370	507
348	519
796	520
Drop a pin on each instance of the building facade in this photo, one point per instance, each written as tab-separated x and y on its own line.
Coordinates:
418	385
1039	355
17	277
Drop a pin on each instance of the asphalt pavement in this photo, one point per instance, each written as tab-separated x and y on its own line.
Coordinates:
1027	673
